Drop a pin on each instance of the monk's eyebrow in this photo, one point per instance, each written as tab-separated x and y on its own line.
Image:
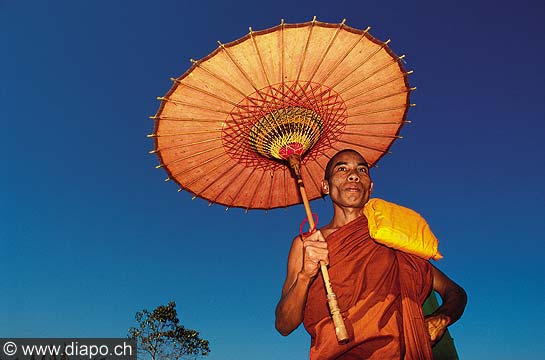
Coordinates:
362	163
340	163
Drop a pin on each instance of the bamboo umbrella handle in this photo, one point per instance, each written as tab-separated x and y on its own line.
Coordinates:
338	322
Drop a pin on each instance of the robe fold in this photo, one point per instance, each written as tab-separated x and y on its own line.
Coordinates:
380	293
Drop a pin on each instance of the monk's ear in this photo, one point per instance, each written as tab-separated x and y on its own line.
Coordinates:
325	187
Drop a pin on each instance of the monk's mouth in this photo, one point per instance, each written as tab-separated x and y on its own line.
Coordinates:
353	189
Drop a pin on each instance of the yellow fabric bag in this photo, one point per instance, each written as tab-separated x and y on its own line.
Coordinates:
401	228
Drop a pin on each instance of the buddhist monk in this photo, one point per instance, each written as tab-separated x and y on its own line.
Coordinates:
380	290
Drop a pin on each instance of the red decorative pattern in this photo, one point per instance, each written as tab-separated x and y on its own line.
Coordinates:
319	99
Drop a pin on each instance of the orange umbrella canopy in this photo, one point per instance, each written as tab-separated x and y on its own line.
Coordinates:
226	126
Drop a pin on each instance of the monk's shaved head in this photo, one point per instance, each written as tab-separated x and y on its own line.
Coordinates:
331	162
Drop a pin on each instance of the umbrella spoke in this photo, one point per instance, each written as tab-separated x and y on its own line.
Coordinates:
370	101
191	168
303	57
255	191
230	56
233	179
184	133
361	145
363	62
358	113
220	176
260	58
234	199
322	57
379	85
379	123
375	135
217	77
185	145
203	91
177	102
166	118
363	79
269	198
342	58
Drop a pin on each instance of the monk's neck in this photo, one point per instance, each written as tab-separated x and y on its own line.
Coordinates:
342	216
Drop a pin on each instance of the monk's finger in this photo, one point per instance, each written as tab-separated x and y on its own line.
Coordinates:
317	254
315	243
315	236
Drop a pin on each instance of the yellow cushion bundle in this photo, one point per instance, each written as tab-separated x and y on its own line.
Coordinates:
401	228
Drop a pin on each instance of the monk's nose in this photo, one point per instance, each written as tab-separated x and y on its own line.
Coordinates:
353	177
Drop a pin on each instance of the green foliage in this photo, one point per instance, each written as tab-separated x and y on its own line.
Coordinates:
160	335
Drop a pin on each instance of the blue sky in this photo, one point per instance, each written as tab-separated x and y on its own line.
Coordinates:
90	233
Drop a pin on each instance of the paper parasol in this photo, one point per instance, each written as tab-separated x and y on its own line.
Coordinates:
228	125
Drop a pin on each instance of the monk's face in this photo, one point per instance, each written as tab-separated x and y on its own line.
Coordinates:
349	184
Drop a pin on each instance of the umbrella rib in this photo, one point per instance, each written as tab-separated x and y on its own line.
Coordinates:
285	189
230	56
341	59
370	101
193	155
379	123
233	200
375	135
260	58
312	23
164	118
255	191
333	38
184	145
361	64
210	183
363	146
154	135
379	110
177	102
392	61
217	77
282	57
233	179
270	191
389	81
191	168
204	92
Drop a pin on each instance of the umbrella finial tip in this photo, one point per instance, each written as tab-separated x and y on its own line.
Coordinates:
314	18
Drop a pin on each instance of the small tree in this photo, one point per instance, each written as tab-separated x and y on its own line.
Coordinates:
161	337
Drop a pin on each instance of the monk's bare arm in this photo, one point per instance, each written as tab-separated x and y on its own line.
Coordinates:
303	264
454	302
453	296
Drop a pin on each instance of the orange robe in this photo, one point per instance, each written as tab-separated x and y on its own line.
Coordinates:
380	292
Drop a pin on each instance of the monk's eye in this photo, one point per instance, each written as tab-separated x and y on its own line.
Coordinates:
364	170
341	168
